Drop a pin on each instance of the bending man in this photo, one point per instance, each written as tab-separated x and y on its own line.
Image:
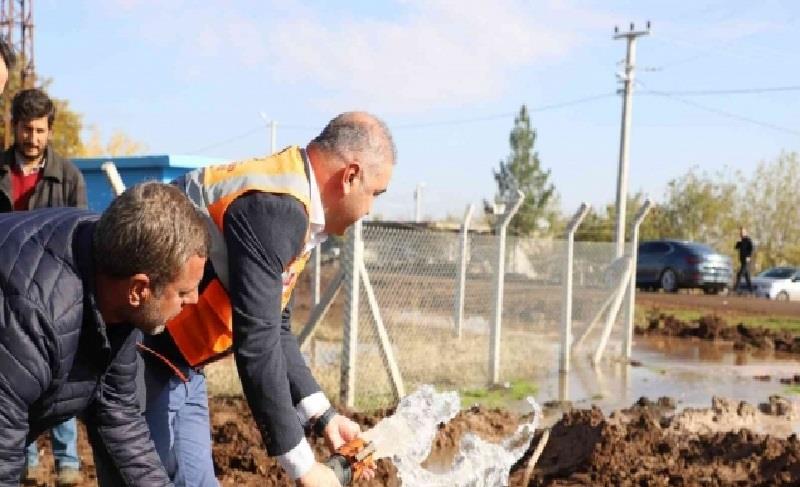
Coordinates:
265	215
75	292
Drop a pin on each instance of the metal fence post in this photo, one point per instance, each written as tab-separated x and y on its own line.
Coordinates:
566	311
462	271
502	227
352	258
629	310
316	276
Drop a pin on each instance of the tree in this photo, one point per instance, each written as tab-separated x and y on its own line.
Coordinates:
769	210
118	144
522	170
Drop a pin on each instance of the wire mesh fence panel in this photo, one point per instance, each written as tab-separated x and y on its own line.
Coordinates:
532	307
413	275
597	281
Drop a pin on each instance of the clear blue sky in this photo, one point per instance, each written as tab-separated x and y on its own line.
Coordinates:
191	77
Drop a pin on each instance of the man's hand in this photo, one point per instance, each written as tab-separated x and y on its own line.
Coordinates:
319	476
339	431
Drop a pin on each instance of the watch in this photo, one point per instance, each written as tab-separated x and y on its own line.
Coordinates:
322	421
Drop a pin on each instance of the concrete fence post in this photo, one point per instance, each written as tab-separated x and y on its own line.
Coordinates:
458	319
352	258
627	342
500	270
566	307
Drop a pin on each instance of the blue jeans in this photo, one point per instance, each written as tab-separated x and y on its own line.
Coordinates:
177	414
64	438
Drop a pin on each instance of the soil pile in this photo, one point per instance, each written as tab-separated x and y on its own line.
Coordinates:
712	327
647	444
641	446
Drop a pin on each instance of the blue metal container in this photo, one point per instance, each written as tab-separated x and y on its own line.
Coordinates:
134	169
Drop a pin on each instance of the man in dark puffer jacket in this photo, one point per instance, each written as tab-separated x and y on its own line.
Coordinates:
75	293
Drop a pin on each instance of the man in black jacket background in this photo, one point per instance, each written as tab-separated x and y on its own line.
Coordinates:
75	291
745	248
32	175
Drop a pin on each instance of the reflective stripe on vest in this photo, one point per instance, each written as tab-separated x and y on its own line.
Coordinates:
204	330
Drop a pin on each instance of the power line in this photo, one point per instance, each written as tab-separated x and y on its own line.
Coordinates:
487	118
228	140
723	112
737	91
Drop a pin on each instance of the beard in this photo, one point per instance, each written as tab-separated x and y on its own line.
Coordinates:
149	318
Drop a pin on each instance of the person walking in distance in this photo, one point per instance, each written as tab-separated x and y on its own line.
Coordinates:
745	248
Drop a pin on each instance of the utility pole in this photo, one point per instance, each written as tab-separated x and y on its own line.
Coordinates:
16	28
273	136
418	202
273	131
624	145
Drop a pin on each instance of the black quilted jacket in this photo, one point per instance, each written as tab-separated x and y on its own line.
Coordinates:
57	357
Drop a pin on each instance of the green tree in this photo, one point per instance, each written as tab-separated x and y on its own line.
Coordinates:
523	171
697	206
769	203
600	225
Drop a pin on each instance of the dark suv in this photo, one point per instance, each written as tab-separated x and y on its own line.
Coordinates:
674	264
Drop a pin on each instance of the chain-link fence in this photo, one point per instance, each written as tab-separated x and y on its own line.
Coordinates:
413	274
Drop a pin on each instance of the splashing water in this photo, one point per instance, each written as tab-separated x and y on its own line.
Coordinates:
407	437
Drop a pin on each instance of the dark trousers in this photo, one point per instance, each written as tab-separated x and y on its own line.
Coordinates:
744	270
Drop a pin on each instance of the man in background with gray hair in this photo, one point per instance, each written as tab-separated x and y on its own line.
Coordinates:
265	216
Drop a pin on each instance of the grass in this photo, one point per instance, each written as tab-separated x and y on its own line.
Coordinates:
792	389
498	397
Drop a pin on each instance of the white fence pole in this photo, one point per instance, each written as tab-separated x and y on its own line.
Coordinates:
502	227
613	311
566	310
629	311
352	257
114	179
387	353
462	271
315	283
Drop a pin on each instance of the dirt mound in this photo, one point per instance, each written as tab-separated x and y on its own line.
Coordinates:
585	448
713	327
647	444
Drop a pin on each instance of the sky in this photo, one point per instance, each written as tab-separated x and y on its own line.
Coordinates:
448	77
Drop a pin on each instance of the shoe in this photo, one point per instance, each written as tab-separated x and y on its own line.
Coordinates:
68	477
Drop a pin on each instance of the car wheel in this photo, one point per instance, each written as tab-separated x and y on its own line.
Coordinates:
669	281
782	296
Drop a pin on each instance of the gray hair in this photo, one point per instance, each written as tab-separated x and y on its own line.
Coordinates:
152	228
358	133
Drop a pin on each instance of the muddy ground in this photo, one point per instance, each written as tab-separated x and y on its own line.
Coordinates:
713	327
647	444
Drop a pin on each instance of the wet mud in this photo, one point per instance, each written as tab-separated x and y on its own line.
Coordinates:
647	444
715	328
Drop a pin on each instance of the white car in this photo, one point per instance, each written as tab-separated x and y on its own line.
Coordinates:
782	283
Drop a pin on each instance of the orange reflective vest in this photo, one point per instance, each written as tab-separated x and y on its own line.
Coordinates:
204	331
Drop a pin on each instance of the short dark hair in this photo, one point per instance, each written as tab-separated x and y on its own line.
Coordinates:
151	228
9	58
32	103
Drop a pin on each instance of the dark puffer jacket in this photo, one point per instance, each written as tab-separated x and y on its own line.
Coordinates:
57	357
